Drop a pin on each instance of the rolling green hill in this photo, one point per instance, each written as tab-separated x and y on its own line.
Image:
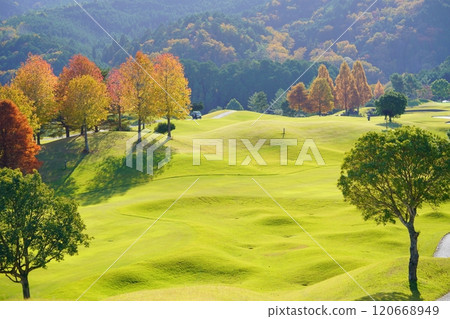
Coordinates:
225	239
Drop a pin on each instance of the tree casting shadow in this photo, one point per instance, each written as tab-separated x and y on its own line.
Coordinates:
396	296
113	177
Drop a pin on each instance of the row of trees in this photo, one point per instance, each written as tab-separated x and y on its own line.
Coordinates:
348	92
82	96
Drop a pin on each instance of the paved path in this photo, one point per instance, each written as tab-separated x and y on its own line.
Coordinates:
223	114
443	251
445	298
443	248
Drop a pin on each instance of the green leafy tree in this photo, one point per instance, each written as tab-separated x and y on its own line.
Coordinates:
234	105
258	102
391	104
397	82
197	106
36	226
411	85
440	89
388	176
278	100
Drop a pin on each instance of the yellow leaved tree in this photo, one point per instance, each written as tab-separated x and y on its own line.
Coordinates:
86	103
138	88
35	78
173	95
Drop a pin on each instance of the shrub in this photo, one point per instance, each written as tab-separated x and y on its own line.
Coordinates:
162	127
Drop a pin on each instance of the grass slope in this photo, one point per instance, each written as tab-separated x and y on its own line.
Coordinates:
225	239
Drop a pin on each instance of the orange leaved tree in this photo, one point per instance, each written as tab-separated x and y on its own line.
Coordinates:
17	146
320	96
116	87
379	90
298	98
346	91
363	88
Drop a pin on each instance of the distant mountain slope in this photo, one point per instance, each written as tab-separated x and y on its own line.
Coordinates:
393	36
68	30
17	7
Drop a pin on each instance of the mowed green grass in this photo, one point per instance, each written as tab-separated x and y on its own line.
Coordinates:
226	239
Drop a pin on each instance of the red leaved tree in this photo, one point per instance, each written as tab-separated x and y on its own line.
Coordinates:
17	146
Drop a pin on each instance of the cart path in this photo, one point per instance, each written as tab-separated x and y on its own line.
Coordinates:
443	248
443	251
223	114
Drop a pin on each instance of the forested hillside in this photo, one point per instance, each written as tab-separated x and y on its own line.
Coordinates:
17	7
393	36
61	32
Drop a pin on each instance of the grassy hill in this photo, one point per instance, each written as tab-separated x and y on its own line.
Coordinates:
225	239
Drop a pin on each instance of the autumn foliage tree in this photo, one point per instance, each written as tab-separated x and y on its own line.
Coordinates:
35	78
115	84
379	90
24	104
320	96
173	93
139	87
324	74
78	66
346	90
86	102
298	98
362	87
17	146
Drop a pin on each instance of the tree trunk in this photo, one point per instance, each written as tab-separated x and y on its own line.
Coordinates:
67	131
169	131
86	143
96	129
119	110
413	254
139	130
25	287
38	138
82	130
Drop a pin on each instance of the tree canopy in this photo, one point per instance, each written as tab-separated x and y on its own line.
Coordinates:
17	146
391	104
441	89
36	80
36	226
388	176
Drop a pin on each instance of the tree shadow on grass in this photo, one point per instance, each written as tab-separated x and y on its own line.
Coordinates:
395	296
391	125
113	177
